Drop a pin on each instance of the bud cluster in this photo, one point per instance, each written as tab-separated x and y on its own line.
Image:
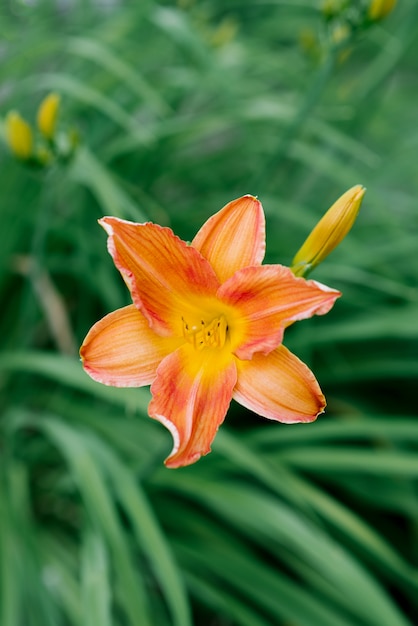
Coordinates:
343	21
43	145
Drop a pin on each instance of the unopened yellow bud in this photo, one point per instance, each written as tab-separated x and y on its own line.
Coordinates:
47	115
329	231
378	9
19	135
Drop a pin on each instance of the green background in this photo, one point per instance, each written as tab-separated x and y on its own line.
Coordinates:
180	108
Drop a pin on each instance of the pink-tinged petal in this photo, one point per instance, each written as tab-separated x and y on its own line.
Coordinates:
162	272
280	387
234	237
121	349
191	395
269	298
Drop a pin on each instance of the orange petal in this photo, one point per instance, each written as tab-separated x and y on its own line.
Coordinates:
269	298
162	271
234	237
191	396
280	387
121	350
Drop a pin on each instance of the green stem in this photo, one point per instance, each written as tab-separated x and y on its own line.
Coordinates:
265	178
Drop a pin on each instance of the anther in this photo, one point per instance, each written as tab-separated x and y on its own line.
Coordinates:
212	335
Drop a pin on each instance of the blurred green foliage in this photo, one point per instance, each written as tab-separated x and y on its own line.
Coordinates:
179	108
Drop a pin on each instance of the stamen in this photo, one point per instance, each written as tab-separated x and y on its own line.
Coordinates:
212	335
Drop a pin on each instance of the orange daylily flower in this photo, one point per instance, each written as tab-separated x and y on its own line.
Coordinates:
206	325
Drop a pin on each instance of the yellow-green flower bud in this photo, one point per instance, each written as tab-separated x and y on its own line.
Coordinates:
331	8
378	9
329	231
47	115
19	135
224	33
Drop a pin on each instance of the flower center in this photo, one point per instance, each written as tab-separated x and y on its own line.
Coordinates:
206	335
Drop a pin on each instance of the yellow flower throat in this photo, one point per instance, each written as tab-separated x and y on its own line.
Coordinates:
203	335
